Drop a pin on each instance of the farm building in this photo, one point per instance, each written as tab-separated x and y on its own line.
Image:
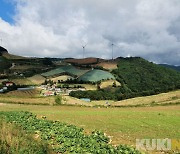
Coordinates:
95	76
8	83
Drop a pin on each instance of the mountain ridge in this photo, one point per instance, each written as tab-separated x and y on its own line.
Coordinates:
177	68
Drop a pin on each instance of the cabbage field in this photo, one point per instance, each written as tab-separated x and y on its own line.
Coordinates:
68	70
64	138
96	75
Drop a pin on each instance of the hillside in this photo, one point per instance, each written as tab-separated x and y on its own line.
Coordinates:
4	52
65	70
84	61
140	75
177	68
95	76
4	64
11	56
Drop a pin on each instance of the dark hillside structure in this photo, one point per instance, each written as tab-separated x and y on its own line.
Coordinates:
3	50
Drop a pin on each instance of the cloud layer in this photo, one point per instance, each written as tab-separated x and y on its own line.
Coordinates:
59	28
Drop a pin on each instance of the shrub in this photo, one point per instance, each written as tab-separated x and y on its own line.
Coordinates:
58	99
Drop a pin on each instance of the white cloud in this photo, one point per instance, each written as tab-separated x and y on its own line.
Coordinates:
147	28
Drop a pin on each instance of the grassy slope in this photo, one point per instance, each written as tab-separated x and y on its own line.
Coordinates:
140	75
10	56
37	79
65	69
96	75
160	99
26	97
108	65
15	140
109	83
123	124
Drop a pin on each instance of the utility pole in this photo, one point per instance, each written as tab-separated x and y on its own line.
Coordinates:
84	47
83	51
112	50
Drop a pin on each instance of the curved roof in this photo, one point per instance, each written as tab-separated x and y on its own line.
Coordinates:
96	75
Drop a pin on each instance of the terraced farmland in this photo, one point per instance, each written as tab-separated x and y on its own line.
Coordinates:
96	75
68	70
37	79
22	93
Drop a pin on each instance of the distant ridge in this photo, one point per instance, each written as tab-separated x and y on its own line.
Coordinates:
177	68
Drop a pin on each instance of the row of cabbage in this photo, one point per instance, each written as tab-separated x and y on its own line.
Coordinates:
64	138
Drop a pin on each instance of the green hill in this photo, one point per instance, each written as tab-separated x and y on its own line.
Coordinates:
70	70
139	75
4	64
95	76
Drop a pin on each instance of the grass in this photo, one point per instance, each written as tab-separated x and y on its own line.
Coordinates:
22	93
37	79
109	83
34	80
10	56
26	97
108	65
160	99
169	98
15	140
33	97
65	70
124	125
22	81
62	78
96	75
26	67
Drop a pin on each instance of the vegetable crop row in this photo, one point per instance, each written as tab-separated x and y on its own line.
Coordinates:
64	138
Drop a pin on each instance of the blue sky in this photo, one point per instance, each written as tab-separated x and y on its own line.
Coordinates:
7	10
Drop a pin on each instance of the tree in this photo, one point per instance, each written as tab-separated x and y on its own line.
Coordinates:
47	61
114	84
58	99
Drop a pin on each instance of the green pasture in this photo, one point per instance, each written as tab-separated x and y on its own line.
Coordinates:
123	125
65	69
96	75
